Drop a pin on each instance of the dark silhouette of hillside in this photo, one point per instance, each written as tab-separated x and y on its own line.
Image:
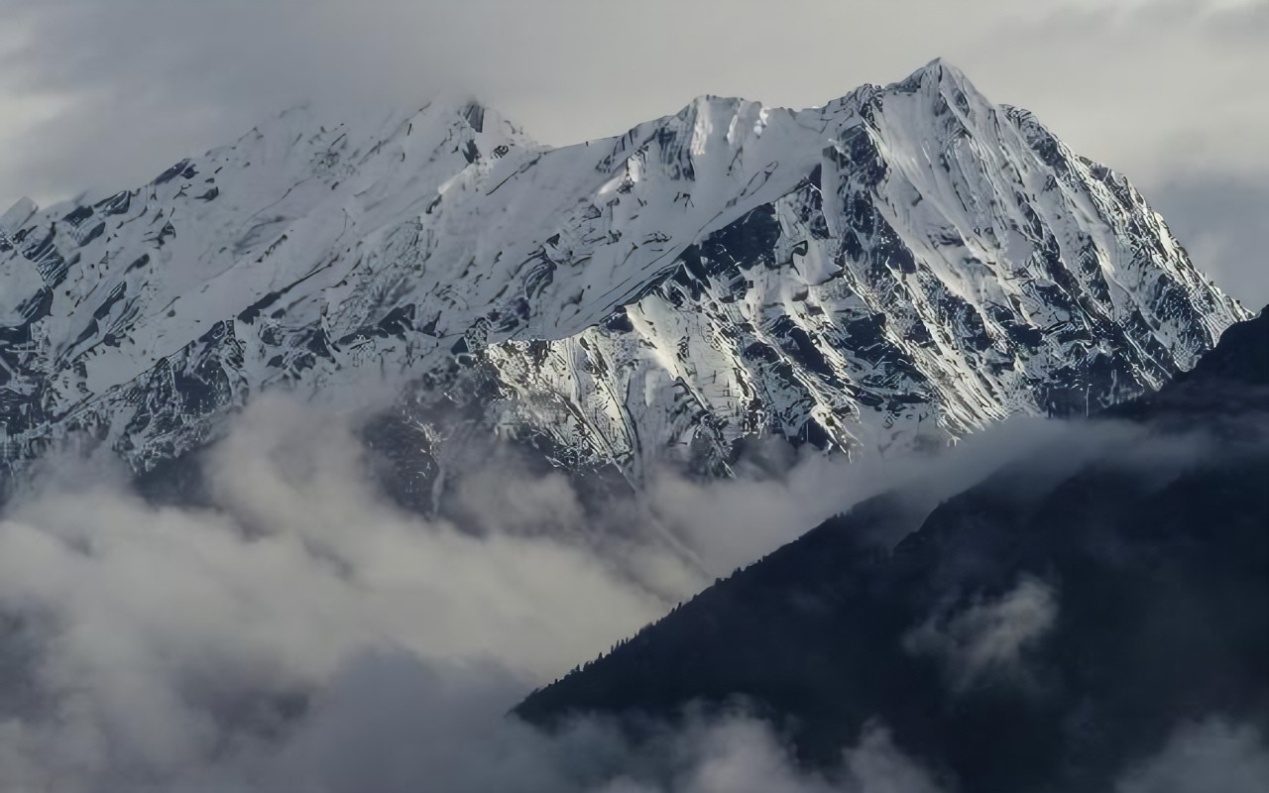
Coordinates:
1038	632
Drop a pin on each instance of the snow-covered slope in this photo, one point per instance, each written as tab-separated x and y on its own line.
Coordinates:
893	269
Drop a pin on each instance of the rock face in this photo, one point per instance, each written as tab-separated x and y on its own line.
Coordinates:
1049	629
893	269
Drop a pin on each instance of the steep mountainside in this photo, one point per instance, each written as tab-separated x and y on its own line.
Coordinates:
892	269
1043	631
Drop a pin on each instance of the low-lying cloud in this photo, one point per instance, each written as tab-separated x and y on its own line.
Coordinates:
1202	757
154	639
731	523
299	631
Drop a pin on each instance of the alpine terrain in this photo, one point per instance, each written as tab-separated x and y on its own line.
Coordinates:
888	271
1056	627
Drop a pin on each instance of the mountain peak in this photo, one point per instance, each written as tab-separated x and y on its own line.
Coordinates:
844	277
941	78
942	70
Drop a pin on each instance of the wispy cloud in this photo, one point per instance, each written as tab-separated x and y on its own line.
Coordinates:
300	632
1201	757
989	636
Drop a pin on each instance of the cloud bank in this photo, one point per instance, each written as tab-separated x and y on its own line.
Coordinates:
301	633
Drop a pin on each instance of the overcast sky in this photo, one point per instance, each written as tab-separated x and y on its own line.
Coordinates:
107	93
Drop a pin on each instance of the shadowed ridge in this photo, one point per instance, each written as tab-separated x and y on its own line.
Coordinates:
1145	570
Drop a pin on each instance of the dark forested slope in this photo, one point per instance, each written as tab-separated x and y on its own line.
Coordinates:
1042	631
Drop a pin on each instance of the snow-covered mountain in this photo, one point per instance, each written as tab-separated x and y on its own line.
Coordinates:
893	269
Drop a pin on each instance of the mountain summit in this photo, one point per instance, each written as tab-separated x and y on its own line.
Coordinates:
891	270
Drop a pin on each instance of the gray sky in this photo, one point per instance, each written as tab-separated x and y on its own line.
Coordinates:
106	93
